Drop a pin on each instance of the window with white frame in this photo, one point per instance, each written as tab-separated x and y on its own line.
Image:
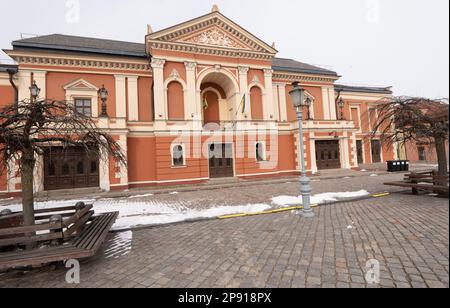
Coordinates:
178	156
83	106
260	152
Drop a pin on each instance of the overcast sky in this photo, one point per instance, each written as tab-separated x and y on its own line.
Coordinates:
399	43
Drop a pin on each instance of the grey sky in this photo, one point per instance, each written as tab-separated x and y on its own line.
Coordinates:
403	43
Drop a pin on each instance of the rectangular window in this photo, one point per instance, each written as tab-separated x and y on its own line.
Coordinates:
84	106
422	154
178	156
260	152
355	117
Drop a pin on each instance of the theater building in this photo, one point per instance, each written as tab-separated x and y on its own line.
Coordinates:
201	100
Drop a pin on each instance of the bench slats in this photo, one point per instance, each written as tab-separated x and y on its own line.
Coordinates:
84	245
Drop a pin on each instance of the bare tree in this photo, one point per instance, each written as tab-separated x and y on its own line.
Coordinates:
407	119
28	128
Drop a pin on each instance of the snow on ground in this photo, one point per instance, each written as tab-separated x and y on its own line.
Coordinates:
134	214
119	245
319	199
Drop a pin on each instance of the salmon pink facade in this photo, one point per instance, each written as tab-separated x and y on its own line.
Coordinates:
201	100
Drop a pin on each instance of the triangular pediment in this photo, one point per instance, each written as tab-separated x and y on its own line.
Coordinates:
214	31
80	84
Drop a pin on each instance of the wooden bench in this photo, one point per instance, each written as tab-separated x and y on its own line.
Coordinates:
424	181
84	244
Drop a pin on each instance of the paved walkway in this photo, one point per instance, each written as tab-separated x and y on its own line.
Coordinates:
408	235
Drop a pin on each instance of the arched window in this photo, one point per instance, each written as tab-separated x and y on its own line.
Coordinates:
260	152
256	101
178	156
175	101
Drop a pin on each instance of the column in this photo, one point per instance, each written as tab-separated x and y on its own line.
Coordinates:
332	103
121	99
159	91
269	108
24	84
133	103
192	105
40	78
326	104
282	101
312	143
243	85
123	174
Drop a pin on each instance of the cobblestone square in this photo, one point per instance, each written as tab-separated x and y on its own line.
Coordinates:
407	235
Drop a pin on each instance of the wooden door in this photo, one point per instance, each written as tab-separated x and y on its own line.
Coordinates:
359	149
376	151
221	161
69	169
328	155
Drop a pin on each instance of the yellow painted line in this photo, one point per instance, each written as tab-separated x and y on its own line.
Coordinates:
293	208
232	216
381	195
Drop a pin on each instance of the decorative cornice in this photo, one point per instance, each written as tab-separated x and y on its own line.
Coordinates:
210	50
243	70
303	78
49	60
158	63
268	72
190	66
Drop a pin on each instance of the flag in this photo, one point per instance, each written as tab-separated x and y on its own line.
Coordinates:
243	105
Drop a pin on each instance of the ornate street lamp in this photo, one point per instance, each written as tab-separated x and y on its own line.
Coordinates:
103	93
298	99
341	105
34	91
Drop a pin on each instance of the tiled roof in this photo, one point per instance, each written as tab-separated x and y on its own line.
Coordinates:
83	44
289	65
363	89
120	48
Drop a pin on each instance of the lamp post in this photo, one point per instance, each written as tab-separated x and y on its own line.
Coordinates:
298	99
103	93
34	91
341	105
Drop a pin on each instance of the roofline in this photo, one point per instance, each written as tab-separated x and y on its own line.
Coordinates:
80	49
363	89
305	71
6	68
274	50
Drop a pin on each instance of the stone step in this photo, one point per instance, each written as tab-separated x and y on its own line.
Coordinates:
67	192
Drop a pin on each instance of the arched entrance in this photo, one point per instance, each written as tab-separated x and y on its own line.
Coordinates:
219	97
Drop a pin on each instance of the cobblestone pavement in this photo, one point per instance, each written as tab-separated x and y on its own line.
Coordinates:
408	235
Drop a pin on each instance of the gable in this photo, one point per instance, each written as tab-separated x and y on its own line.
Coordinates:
208	33
80	84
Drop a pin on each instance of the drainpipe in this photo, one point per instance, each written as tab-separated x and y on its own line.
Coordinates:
11	81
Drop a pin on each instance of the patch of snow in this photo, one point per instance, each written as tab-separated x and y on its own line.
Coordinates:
141	196
130	221
133	214
174	193
347	177
120	245
374	175
318	199
363	170
350	227
7	199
